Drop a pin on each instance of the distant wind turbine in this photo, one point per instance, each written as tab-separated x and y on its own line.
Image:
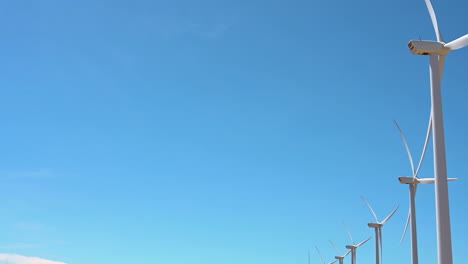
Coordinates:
340	258
323	261
354	246
378	231
413	186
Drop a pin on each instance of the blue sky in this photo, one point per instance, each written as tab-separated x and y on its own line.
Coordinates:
189	132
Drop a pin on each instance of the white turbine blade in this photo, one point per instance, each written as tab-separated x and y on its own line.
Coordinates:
434	21
349	233
441	66
406	146
426	181
337	250
333	262
390	215
458	43
347	253
432	180
362	243
318	251
406	226
428	136
370	207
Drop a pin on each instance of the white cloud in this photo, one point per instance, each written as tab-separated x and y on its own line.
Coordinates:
17	259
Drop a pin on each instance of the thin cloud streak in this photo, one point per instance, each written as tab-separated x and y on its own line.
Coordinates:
18	259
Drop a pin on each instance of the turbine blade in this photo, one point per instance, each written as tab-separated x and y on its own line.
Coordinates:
347	253
349	233
390	215
428	136
406	146
318	251
441	66
406	226
426	181
434	20
370	207
362	243
458	43
333	262
337	250
432	180
309	257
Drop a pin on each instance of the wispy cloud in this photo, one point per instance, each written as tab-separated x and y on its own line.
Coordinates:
18	259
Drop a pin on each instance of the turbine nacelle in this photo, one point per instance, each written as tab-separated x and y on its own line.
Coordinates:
408	180
427	47
374	225
415	180
350	247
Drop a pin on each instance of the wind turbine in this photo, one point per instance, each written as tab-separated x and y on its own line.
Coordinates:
378	231
437	50
354	246
340	258
413	186
318	251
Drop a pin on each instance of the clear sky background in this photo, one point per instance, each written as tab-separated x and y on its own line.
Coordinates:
221	132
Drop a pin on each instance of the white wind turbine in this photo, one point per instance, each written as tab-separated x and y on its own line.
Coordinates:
437	50
413	186
354	246
323	261
378	231
340	258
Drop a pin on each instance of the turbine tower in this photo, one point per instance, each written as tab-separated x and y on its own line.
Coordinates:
340	258
413	186
378	231
437	50
353	246
323	261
